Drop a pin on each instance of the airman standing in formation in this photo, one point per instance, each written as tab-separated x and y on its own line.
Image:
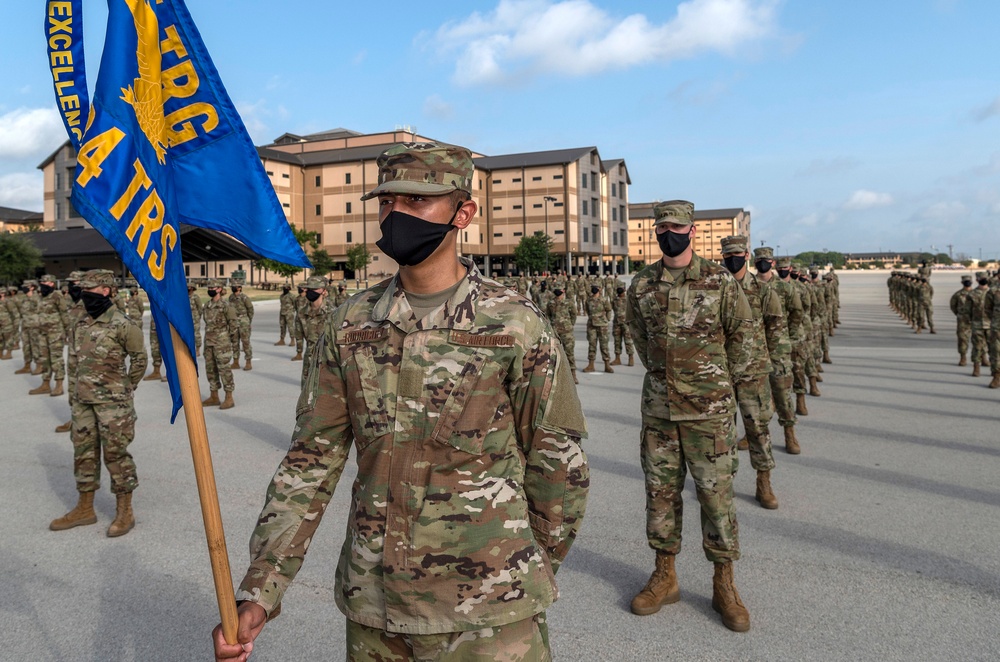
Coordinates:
197	314
991	312
8	327
959	305
598	318
692	327
788	363
341	297
812	364
51	322
314	318
76	313
300	307
103	415
154	353
562	315
286	315
622	334
135	308
220	320
29	329
243	308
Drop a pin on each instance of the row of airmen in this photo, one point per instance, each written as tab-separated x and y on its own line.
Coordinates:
977	316
912	296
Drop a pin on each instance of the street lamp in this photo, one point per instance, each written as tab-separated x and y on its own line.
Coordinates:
547	199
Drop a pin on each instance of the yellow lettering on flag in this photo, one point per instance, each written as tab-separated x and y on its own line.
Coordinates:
147	220
180	130
95	151
139	180
168	239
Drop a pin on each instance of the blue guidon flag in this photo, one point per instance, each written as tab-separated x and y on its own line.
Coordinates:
161	145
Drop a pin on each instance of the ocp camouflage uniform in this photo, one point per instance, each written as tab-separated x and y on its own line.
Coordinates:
621	333
472	479
197	313
341	298
562	316
135	309
240	332
960	309
51	322
29	330
786	370
314	321
598	318
286	317
220	319
991	310
154	346
300	303
980	324
12	313
8	323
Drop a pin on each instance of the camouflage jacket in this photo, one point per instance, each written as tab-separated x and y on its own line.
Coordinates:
242	305
598	311
220	319
959	305
101	346
562	314
197	310
991	308
791	304
620	305
926	294
779	343
135	309
314	320
10	303
693	336
761	301
472	480
340	298
29	310
978	316
50	312
287	300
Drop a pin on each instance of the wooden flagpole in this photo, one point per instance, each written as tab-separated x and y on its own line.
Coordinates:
207	493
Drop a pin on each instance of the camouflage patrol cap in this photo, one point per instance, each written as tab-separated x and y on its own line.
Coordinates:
679	212
981	275
429	168
214	284
47	278
966	278
75	276
736	243
784	263
235	282
763	253
315	283
192	287
97	278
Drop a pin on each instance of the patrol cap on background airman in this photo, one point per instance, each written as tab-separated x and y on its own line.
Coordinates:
678	212
214	284
981	275
315	283
47	278
97	278
735	243
763	253
966	278
784	263
75	276
429	168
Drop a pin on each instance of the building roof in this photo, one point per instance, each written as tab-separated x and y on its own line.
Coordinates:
614	163
367	153
529	159
197	245
331	134
11	215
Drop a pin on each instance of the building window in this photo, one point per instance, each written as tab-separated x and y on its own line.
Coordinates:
536	206
466	237
614	190
270	172
480	183
347	207
349	236
557	204
518	234
222	270
517	206
556	176
593	181
319	210
614	214
593	207
58	181
239	267
480	211
284	175
187	270
347	178
536	179
593	231
319	182
621	213
593	158
59	211
497	208
586	211
202	269
374	258
285	205
560	232
498	234
586	236
516	180
614	238
496	181
640	251
583	181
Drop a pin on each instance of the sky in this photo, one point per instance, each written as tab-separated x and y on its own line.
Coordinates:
842	125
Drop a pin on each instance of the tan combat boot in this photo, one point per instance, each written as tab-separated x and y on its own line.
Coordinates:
280	342
765	495
81	515
631	359
38	369
248	365
819	378
726	599
228	402
124	519
661	589
826	357
813	389
791	443
975	370
236	364
618	360
800	405
297	357
153	375
590	366
23	370
608	368
65	427
212	400
44	388
933	331
5	355
962	362
996	380
58	390
743	444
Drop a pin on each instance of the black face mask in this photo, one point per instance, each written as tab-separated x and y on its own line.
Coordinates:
24	290
74	292
312	295
234	289
783	273
212	293
95	304
734	262
672	243
983	281
409	240
595	290
46	289
763	266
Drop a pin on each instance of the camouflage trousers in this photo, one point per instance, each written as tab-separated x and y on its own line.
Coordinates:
979	346
106	428
7	333
708	449
964	332
623	335
754	397
581	304
154	345
924	317
569	344
29	339
993	344
240	335
218	368
299	334
521	641
597	336
801	357
286	322
51	343
784	401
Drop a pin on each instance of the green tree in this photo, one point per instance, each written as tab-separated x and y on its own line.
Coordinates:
280	268
533	253
18	258
322	262
943	258
358	258
305	237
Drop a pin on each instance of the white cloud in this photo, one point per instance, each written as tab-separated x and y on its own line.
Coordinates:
21	190
30	132
438	108
864	199
577	38
945	211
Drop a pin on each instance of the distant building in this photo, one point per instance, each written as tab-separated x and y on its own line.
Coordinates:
887	259
19	220
713	225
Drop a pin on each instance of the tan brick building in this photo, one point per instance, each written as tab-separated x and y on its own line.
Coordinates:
19	220
713	225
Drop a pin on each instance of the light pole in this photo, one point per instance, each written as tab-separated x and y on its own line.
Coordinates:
547	199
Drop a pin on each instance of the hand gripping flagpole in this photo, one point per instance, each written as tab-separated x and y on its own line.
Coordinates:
204	475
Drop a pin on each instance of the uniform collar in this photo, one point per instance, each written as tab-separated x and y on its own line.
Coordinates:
458	312
691	272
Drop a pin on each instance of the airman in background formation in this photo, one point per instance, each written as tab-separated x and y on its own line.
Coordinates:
243	308
598	318
197	314
220	322
959	305
314	317
51	322
790	385
76	313
286	315
134	307
300	305
562	315
991	313
341	297
622	334
154	352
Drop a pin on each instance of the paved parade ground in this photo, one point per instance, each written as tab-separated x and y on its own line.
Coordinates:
885	545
